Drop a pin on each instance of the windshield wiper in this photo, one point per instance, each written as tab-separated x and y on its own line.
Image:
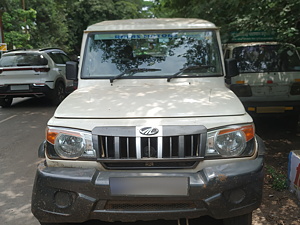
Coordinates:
132	71
186	69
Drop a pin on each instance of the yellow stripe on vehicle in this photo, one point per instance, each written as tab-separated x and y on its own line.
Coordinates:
274	109
289	108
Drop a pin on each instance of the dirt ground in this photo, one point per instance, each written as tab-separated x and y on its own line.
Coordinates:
280	207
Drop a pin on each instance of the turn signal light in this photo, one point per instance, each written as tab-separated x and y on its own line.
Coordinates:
248	131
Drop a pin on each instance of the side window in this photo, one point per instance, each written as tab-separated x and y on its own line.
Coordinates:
65	58
56	57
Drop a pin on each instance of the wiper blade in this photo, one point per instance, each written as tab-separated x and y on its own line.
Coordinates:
133	71
186	69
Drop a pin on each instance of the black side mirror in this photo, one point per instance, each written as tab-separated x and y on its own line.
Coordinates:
71	70
231	68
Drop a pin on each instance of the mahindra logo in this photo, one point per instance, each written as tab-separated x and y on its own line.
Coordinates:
149	131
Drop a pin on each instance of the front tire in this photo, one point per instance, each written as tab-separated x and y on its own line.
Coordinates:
239	220
6	102
59	93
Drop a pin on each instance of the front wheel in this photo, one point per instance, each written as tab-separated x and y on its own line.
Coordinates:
239	220
59	93
5	102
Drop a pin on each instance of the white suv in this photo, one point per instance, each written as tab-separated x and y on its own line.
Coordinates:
152	132
269	78
38	73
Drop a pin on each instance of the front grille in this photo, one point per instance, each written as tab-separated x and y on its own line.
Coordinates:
173	147
148	206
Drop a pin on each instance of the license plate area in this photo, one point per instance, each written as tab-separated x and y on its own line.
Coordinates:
19	87
149	186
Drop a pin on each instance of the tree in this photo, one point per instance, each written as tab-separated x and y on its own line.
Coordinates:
16	22
51	27
81	14
240	15
60	23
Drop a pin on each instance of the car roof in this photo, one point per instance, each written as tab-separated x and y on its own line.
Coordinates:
245	44
151	24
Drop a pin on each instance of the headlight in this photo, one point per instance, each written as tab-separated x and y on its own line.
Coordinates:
233	141
69	144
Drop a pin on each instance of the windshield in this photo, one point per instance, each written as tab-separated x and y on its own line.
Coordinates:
266	58
22	59
151	55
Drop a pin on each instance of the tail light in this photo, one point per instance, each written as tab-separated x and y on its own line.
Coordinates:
43	69
295	89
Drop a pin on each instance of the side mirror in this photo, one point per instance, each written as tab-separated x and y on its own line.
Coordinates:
231	68
71	70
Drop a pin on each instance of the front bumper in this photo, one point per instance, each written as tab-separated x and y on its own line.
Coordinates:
78	195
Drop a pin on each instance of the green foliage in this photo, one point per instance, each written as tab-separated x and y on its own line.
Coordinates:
81	14
278	180
240	15
51	27
16	26
60	23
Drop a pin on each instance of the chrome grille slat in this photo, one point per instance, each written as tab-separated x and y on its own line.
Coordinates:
192	144
171	146
117	147
106	147
138	148
159	147
127	144
149	146
181	146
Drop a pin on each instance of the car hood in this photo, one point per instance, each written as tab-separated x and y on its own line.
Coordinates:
149	102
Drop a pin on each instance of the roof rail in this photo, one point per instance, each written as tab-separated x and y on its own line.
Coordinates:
43	49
